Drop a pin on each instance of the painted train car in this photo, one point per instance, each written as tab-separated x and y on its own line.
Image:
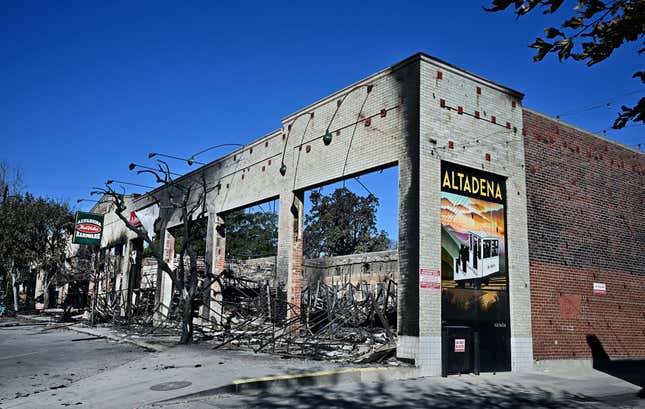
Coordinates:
478	259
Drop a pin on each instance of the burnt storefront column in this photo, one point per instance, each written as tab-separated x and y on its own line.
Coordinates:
288	280
215	256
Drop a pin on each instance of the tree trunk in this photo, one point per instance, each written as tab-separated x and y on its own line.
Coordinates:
15	288
187	320
45	291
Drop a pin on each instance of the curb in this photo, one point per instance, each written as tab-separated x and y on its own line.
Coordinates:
16	324
124	339
35	318
289	382
89	331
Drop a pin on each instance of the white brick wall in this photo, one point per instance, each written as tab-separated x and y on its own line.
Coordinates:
409	93
506	149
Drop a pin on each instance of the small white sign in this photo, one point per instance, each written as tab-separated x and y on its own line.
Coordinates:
460	345
599	288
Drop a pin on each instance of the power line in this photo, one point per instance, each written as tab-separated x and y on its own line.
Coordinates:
606	103
351	139
364	187
612	129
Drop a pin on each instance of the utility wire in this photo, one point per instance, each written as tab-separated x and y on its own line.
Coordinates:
603	131
364	187
304	133
597	105
351	139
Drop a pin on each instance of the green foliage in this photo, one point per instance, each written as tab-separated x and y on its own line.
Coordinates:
19	233
35	233
251	234
55	225
198	231
605	26
147	250
342	223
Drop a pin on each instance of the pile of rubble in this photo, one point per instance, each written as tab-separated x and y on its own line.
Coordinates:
342	315
340	321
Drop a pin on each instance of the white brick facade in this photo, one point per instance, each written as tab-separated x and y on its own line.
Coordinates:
391	118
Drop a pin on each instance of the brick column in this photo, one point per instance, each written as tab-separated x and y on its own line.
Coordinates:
289	262
518	270
294	290
429	358
409	213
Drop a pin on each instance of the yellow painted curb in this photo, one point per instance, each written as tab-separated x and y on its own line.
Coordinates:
306	375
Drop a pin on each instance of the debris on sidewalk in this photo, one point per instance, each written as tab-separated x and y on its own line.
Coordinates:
338	321
342	316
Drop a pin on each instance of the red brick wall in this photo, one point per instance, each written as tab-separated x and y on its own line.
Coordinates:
296	273
586	223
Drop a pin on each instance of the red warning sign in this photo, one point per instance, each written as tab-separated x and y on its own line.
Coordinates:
134	220
429	279
460	345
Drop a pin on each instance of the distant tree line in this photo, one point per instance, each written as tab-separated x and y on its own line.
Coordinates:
339	223
342	223
251	234
35	234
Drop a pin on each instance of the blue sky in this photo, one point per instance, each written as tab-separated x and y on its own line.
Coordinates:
384	184
88	87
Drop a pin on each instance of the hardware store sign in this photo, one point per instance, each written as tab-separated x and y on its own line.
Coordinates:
88	228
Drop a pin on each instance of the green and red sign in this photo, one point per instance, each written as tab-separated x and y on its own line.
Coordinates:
88	228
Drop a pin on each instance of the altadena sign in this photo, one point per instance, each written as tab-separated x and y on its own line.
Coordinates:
88	228
473	183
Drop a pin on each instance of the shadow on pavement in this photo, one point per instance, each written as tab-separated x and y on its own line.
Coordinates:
416	394
629	370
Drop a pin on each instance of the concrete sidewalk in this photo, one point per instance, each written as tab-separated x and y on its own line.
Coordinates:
176	372
571	389
197	376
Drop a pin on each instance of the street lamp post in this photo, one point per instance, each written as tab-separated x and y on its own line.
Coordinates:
153	154
110	181
192	160
94	275
132	166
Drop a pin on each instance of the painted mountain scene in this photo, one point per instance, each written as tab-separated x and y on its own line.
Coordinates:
473	259
464	222
464	214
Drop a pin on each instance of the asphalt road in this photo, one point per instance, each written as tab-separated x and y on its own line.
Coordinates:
37	359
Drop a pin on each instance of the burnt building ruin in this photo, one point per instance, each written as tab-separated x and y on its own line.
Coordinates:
497	263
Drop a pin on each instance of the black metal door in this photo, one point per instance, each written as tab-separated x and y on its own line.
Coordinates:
457	350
